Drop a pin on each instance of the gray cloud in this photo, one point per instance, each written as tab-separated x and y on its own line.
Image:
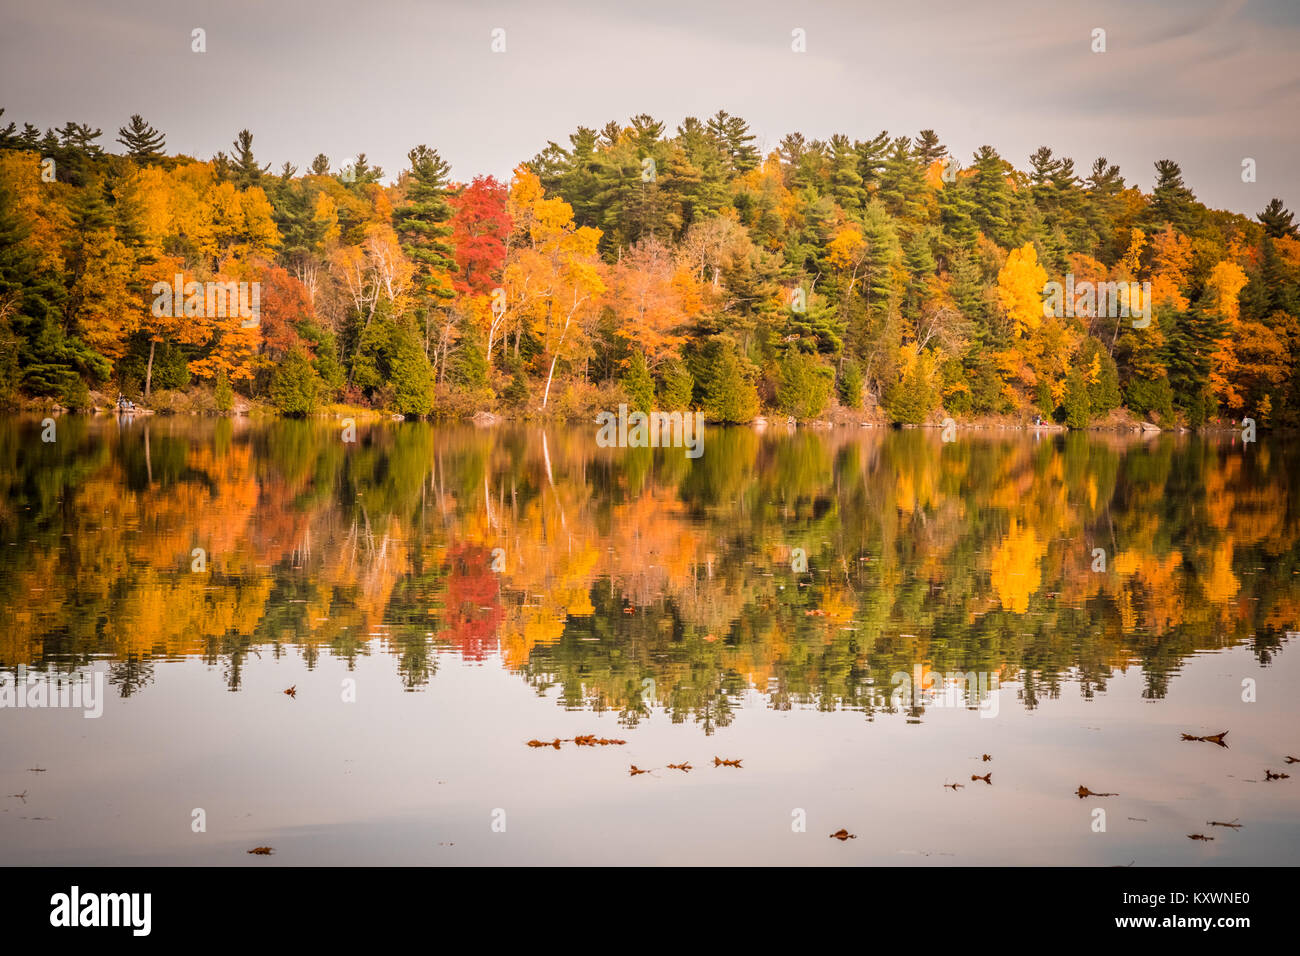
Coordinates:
1203	83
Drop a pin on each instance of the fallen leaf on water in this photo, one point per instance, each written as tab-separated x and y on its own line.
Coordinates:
685	767
545	743
36	769
1085	792
954	786
1293	759
987	778
986	757
262	850
293	691
843	835
1199	836
1210	739
635	770
1270	775
605	743
718	762
1234	824
815	612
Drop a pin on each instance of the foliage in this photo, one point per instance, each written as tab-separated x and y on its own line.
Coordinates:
805	385
919	288
295	386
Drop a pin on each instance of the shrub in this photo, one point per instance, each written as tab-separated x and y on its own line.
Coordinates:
676	386
76	394
1150	397
1103	393
850	385
911	400
805	385
1078	410
1043	398
516	393
412	381
468	365
295	386
638	384
222	393
730	395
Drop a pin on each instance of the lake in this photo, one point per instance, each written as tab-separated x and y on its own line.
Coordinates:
858	616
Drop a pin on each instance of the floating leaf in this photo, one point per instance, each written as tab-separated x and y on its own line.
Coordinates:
987	778
842	835
262	850
1210	739
718	762
1085	792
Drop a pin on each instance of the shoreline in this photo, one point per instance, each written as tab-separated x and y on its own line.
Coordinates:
1115	424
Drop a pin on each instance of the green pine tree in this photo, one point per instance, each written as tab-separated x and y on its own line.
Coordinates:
638	384
143	143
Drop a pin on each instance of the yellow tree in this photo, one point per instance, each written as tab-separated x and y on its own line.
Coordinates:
1020	289
552	275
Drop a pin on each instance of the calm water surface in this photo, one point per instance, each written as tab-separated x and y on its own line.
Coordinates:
439	596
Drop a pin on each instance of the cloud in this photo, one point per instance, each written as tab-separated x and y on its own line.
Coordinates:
1204	83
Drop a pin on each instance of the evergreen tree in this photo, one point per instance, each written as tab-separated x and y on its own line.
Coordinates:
468	363
243	167
992	197
411	376
423	224
910	400
1078	408
902	183
1171	200
730	395
850	385
638	384
805	385
871	155
732	134
1277	221
928	149
846	186
676	385
295	386
143	143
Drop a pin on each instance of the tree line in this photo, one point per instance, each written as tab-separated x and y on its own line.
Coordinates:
882	277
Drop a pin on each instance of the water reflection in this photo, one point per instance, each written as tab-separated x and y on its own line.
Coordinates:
638	579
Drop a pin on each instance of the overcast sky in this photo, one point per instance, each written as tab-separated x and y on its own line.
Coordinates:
1204	83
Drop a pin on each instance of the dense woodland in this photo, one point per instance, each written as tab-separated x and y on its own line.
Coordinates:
879	276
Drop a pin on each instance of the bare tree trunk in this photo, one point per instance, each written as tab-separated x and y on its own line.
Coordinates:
148	373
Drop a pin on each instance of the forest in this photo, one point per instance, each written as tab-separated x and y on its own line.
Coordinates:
880	279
